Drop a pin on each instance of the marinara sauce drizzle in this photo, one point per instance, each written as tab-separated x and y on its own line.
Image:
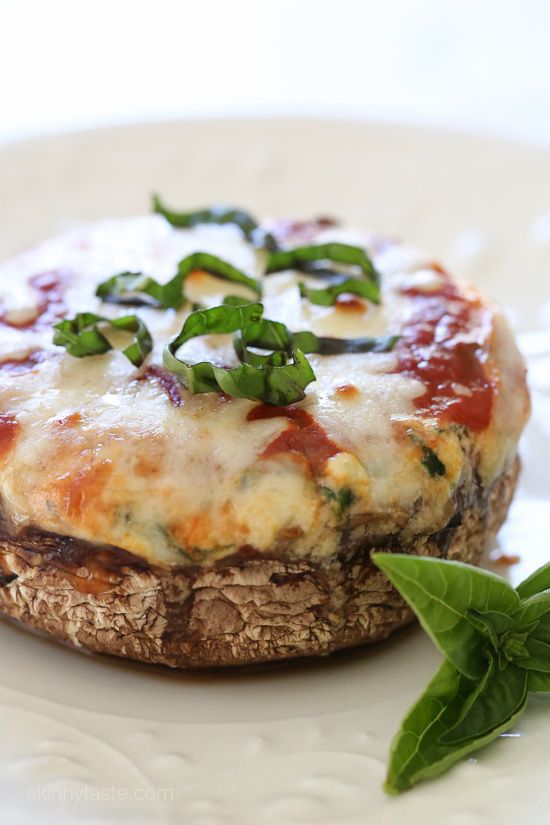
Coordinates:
9	429
50	288
458	386
304	435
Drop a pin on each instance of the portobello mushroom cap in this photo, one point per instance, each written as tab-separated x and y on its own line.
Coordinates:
245	609
192	530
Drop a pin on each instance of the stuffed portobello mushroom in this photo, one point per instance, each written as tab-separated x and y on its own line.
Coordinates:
207	425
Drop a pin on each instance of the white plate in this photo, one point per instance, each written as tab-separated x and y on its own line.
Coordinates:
97	740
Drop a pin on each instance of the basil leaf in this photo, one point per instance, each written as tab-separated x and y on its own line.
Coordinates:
130	289
304	258
533	610
81	336
268	335
217	215
503	696
235	301
417	751
538	681
534	617
339	346
308	342
217	267
442	593
342	253
431	461
462	710
269	378
535	583
499	622
327	296
537	658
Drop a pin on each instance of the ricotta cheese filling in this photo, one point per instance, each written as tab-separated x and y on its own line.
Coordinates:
97	449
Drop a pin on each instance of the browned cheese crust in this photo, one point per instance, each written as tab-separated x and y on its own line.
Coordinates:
243	609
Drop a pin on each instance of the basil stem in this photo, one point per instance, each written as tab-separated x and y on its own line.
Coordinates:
496	643
269	378
81	336
129	288
217	215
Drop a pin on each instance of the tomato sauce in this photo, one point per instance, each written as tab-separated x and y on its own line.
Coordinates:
167	382
458	386
18	366
347	391
349	303
50	288
9	428
304	436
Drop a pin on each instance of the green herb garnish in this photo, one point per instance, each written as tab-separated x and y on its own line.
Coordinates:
339	346
137	289
218	215
496	643
342	499
81	336
130	288
341	253
305	258
326	296
431	461
272	335
278	379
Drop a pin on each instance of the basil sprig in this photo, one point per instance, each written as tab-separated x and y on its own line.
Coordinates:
312	259
278	379
218	215
136	289
81	336
496	643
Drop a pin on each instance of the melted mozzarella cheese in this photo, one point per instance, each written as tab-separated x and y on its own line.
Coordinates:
102	453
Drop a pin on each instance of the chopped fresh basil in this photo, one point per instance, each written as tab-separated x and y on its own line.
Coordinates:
272	335
303	256
346	497
312	259
278	379
339	346
219	268
136	289
343	499
496	643
326	296
431	461
81	336
129	288
218	215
